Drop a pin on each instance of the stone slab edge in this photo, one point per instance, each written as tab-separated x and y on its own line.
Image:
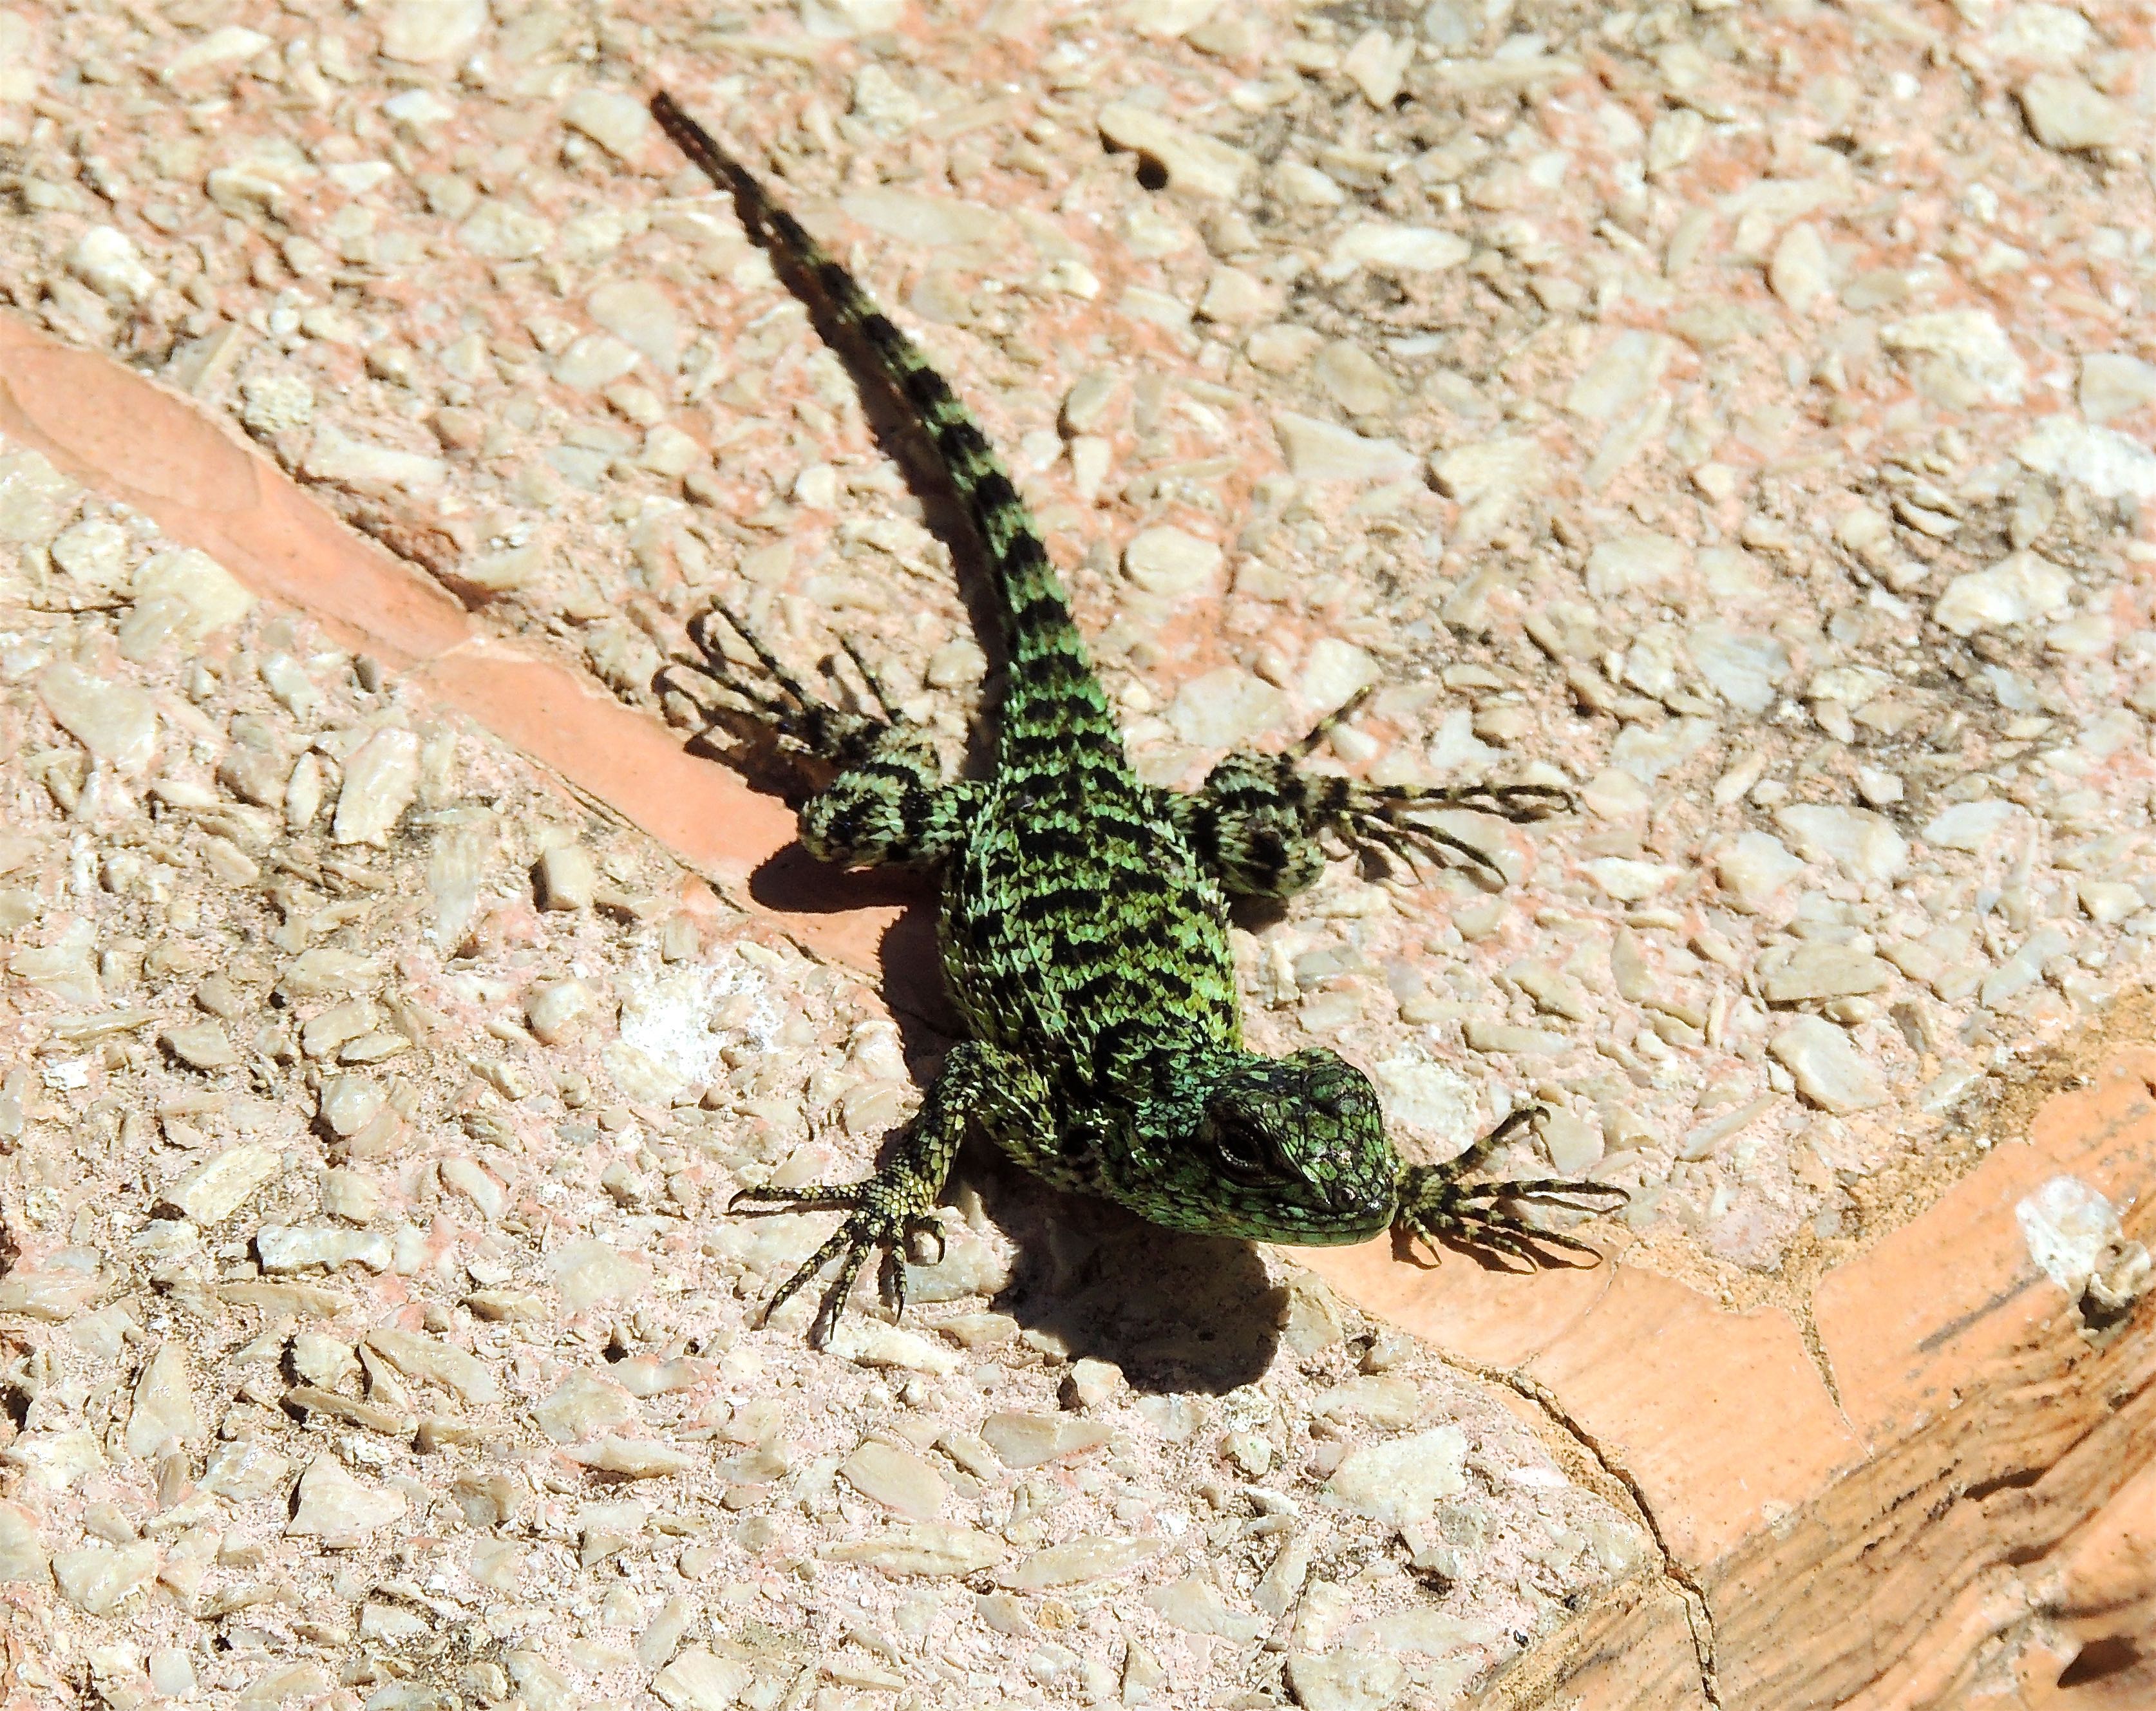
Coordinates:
1974	1500
139	441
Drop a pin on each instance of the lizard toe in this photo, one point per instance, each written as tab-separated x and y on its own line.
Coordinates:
1436	1201
886	1215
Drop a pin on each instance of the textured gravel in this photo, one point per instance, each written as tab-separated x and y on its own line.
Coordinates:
1740	415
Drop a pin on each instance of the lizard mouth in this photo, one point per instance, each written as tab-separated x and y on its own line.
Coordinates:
1346	1214
1350	1220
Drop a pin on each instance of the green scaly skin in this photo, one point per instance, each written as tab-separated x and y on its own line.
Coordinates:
1084	923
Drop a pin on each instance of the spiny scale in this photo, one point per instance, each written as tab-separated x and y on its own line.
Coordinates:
1084	914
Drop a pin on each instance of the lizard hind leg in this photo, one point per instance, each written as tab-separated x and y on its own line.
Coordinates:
889	805
1436	1201
807	718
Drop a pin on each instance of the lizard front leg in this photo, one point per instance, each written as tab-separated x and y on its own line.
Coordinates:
978	1085
1433	1200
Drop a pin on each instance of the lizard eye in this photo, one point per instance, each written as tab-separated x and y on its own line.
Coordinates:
1243	1156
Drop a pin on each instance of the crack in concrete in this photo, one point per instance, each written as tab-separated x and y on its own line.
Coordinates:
1699	1614
1807	1331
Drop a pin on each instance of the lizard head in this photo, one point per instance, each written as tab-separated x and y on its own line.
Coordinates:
1296	1147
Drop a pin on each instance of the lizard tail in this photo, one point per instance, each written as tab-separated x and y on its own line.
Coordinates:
1052	681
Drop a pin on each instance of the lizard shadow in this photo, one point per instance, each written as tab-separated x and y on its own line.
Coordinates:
896	425
1546	1256
909	960
790	881
1176	1312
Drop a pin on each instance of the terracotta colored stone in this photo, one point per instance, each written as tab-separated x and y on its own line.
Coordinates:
1957	1289
1475	1309
1720	1417
206	487
2004	1507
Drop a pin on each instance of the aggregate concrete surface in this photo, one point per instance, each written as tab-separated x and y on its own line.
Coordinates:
1742	416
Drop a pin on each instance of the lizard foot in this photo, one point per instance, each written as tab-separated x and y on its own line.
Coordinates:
887	1211
779	700
1432	1201
1374	818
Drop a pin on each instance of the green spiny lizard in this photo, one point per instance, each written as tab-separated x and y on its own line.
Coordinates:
1084	919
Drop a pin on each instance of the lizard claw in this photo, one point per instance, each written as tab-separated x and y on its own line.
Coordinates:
781	701
1432	1201
1375	819
882	1215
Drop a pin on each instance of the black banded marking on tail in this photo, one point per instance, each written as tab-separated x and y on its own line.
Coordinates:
1035	608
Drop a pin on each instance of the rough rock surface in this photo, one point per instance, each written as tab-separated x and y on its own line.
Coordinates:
1740	415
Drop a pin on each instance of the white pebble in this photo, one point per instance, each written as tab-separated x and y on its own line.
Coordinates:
210	596
1639	560
94	554
619	123
97	1579
1324	451
2070	1229
1401	1482
2102	460
557	1009
1969	825
365	467
1201	165
2021	588
338	1510
1171	562
1225	707
115	722
380	781
35	498
300	1247
567	878
106	260
1754	867
212	1190
1385	246
1862	843
1964	355
2066	114
1828	1069
500	231
2115	384
429	32
232	45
